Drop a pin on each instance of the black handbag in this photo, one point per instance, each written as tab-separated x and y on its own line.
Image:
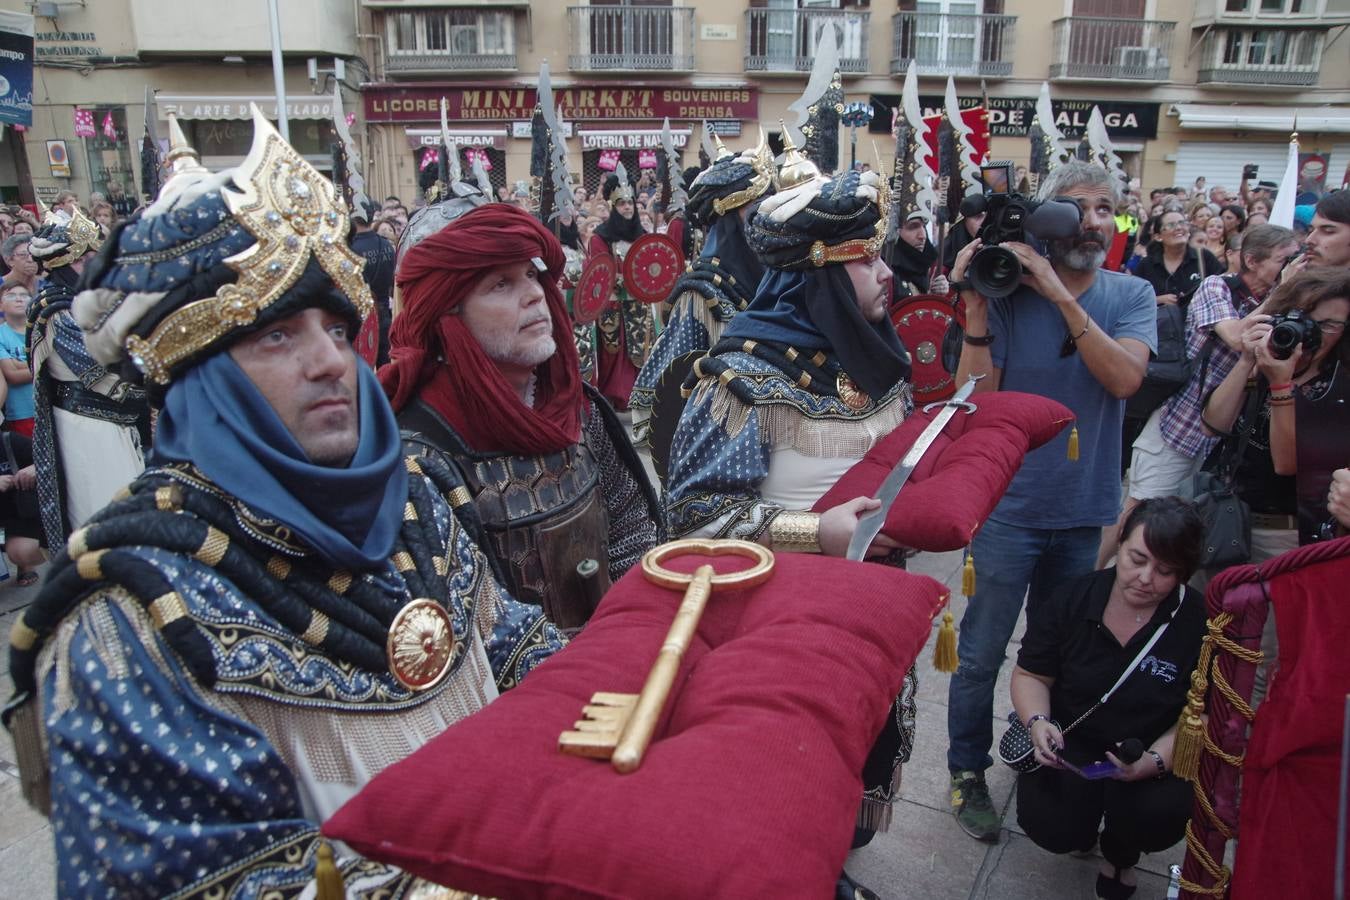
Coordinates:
25	500
1015	748
1227	517
1169	370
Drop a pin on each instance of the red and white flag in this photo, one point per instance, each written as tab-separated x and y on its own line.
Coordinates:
84	123
109	129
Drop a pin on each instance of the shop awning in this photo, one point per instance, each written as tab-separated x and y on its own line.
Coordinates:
1310	119
236	106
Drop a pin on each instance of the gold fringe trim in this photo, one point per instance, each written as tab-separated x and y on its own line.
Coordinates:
782	426
34	775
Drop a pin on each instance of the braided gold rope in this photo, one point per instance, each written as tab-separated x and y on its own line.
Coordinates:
1219	873
1215	822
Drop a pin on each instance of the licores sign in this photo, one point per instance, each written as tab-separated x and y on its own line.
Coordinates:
416	103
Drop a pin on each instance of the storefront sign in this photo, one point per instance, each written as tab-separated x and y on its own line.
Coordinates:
630	140
16	68
415	103
1011	116
237	106
431	137
526	129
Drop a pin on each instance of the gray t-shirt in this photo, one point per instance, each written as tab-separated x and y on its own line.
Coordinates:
1050	490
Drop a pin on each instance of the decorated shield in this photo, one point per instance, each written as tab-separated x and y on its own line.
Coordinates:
594	288
922	322
667	407
652	266
368	339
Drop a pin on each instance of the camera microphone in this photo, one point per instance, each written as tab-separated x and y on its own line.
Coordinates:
1129	750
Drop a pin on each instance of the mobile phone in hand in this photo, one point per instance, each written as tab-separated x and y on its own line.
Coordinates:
1102	768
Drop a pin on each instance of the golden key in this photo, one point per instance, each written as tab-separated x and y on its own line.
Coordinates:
619	727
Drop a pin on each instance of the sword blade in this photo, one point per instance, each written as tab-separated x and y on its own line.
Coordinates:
869	524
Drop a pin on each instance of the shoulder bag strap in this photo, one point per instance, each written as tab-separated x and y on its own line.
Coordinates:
1134	663
9	453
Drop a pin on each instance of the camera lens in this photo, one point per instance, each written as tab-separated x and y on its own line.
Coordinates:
1289	331
995	271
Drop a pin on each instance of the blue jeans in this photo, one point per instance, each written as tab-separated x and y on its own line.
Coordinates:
1009	559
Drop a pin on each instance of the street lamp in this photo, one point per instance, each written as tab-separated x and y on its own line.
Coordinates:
856	115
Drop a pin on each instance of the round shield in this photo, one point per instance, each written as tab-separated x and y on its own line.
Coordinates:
922	322
652	266
594	288
368	339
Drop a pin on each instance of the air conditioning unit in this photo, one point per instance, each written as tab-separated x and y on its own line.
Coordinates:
1137	57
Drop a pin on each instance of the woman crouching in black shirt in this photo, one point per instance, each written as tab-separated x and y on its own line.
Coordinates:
1079	642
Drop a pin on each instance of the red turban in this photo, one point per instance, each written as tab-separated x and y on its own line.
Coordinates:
436	358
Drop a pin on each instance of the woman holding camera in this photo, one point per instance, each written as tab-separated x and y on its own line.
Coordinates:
1291	426
1135	626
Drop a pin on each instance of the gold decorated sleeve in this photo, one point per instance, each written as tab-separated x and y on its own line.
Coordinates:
795	532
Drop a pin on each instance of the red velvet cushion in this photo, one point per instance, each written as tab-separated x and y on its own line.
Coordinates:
750	788
961	478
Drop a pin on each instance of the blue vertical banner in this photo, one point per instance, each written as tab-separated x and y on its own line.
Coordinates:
16	68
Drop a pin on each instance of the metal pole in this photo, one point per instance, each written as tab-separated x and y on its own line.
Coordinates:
1343	812
852	148
278	74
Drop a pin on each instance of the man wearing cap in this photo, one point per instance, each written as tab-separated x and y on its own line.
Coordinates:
798	389
1081	335
284	603
485	371
90	425
722	280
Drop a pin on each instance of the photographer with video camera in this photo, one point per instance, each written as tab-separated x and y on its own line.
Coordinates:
1059	326
1292	422
1135	626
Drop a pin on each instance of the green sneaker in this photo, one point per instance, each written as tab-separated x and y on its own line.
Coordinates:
972	807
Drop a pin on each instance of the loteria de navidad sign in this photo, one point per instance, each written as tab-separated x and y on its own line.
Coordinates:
422	103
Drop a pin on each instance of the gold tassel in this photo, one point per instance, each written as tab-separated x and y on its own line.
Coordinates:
968	576
327	879
1190	740
1073	444
944	653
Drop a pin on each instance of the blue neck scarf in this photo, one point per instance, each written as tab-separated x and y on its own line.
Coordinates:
216	419
818	310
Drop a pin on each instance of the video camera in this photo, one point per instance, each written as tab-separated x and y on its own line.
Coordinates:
995	271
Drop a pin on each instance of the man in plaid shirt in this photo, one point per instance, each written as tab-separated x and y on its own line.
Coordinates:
1173	445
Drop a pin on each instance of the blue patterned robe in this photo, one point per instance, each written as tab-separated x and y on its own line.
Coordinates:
164	785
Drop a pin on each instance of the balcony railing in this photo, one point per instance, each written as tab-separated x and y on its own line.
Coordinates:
784	40
1112	49
631	38
1275	58
407	63
428	41
952	44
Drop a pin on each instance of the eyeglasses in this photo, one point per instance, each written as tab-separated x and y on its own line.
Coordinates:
1173	226
1330	326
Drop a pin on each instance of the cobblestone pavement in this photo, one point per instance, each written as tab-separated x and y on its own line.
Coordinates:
924	855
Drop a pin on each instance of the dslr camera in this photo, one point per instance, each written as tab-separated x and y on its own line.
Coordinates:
995	271
1291	329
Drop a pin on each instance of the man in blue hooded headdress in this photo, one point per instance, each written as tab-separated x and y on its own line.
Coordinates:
722	280
798	389
283	603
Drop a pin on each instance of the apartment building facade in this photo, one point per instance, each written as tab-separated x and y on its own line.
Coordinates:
1188	87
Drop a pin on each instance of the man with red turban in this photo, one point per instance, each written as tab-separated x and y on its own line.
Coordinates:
484	371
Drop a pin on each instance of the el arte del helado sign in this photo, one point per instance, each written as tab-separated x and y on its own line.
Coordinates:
1011	116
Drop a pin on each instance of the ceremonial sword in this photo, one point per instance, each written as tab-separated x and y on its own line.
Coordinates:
869	524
